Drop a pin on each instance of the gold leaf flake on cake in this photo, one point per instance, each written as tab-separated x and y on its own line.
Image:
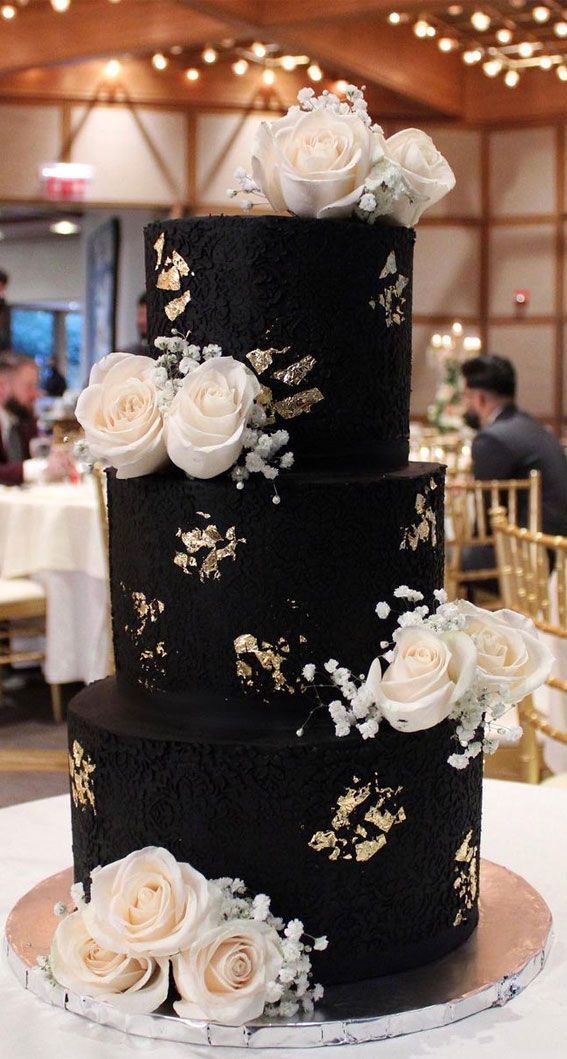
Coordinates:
465	883
146	610
391	298
176	306
296	372
81	769
271	658
158	247
361	823
299	403
425	526
173	269
216	545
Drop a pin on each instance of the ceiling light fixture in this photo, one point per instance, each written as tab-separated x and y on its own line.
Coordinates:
341	86
526	49
259	49
289	62
492	68
60	5
159	61
192	74
240	67
209	56
455	10
112	69
562	72
314	72
446	43
268	76
8	11
541	14
511	78
394	18
64	228
481	21
504	36
473	56
421	28
560	29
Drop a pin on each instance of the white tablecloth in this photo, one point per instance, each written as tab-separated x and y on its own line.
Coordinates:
52	534
524	828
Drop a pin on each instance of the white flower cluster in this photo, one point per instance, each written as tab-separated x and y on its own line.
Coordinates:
292	988
179	358
263	451
460	663
382	190
354	103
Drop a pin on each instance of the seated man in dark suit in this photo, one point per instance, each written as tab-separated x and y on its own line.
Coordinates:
510	443
18	394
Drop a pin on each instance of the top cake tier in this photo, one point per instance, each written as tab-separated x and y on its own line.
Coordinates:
320	310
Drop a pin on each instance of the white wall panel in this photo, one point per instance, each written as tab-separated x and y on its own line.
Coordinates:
139	157
446	277
522	171
461	148
30	136
531	348
425	376
223	144
522	257
43	269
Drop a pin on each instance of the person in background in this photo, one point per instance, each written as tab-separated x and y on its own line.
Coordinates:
5	328
509	442
55	382
141	346
18	394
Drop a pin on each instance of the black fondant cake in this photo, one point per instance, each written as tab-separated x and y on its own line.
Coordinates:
220	598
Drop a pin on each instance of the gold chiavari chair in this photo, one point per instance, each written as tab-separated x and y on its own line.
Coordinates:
467	523
525	560
99	475
451	449
23	602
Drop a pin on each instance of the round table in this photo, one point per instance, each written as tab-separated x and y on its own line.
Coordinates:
524	828
52	534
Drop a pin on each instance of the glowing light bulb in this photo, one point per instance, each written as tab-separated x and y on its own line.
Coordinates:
64	228
394	18
315	72
504	36
541	14
60	5
481	21
560	29
421	27
341	87
192	74
562	72
511	78
446	43
457	328
455	10
240	67
259	49
112	69
492	68
268	76
546	62
289	62
473	56
526	49
8	11
209	56
159	61
436	341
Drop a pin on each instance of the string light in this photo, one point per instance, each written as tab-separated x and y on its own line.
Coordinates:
314	72
560	29
455	10
259	49
562	72
511	78
492	68
481	21
526	49
446	43
8	11
112	69
473	56
60	5
159	61
268	76
546	62
341	87
541	14
504	36
394	18
240	67
209	56
421	27
288	62
192	74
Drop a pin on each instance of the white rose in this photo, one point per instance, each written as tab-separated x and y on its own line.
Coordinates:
511	657
208	417
314	164
149	904
137	984
426	173
225	974
119	413
427	676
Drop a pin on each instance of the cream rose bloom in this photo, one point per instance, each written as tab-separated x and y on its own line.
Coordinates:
137	984
149	904
511	658
426	173
208	416
225	974
119	413
314	163
427	676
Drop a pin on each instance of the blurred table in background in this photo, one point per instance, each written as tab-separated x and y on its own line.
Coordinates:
52	534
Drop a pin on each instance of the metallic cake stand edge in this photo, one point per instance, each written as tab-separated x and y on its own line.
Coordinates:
327	1029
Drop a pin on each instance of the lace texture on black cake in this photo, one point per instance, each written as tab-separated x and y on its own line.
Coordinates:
217	591
320	310
373	843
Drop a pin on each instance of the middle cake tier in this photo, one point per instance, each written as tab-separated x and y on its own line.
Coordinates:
218	592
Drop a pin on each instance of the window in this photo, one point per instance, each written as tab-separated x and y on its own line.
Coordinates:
43	333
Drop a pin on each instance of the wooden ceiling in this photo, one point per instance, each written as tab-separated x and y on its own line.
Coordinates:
48	56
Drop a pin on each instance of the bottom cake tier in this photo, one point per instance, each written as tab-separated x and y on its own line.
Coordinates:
373	843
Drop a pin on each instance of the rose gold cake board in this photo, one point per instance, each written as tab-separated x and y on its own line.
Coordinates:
504	955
